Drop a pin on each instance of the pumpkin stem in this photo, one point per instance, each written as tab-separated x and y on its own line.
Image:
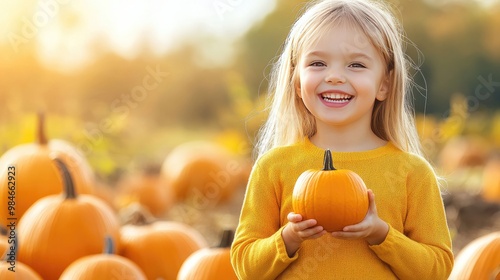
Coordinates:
136	214
109	245
152	170
41	137
3	230
227	239
69	187
328	162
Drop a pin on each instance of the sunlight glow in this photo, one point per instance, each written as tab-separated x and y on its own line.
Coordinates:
69	34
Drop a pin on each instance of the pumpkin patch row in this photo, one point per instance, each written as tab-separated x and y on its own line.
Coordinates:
68	228
62	235
37	174
64	227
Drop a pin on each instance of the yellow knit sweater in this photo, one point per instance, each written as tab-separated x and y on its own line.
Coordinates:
407	196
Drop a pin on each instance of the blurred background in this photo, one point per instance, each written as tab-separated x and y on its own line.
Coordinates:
126	82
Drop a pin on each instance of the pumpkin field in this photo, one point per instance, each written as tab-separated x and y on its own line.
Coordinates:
126	145
189	202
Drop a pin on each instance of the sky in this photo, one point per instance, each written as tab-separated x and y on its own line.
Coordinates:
67	33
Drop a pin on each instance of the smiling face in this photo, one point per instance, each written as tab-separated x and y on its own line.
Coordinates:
340	77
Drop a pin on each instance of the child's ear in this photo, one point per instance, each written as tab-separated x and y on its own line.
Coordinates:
384	89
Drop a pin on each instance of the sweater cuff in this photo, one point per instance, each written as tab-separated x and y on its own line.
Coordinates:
281	248
387	246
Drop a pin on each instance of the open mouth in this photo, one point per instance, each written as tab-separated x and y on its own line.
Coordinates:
336	97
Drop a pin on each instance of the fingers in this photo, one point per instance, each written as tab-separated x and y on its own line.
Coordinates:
304	229
311	232
357	227
371	200
361	229
294	218
371	195
298	224
305	226
353	231
319	232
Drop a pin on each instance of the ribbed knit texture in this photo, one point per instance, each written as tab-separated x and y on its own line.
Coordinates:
407	196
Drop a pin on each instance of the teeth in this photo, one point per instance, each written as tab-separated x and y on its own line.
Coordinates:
336	97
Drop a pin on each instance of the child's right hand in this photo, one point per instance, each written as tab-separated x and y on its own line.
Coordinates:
297	231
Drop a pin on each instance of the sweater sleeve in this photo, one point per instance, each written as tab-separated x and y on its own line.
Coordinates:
423	250
258	250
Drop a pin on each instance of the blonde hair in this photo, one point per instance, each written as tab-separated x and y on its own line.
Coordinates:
392	119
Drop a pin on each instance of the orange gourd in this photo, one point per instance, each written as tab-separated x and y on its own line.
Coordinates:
490	190
12	269
462	152
147	189
35	174
106	192
210	263
159	247
480	259
202	173
335	198
58	229
22	271
103	266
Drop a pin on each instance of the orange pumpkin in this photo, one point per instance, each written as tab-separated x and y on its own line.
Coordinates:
147	189
106	193
160	247
335	198
210	263
462	152
65	227
22	271
480	259
490	190
3	241
34	174
11	268
103	266
202	172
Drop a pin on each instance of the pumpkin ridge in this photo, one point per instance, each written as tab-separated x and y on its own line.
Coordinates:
345	213
310	192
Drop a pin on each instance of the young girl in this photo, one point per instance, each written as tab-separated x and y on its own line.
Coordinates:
341	83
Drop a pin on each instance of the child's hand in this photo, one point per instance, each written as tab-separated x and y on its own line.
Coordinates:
372	228
297	231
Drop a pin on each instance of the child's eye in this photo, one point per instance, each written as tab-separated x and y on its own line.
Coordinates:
317	64
357	65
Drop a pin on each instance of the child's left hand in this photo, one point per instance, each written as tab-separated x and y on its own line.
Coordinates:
372	228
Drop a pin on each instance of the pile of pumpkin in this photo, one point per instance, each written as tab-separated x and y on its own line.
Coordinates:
64	227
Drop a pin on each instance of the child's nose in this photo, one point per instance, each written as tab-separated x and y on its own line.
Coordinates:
335	76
